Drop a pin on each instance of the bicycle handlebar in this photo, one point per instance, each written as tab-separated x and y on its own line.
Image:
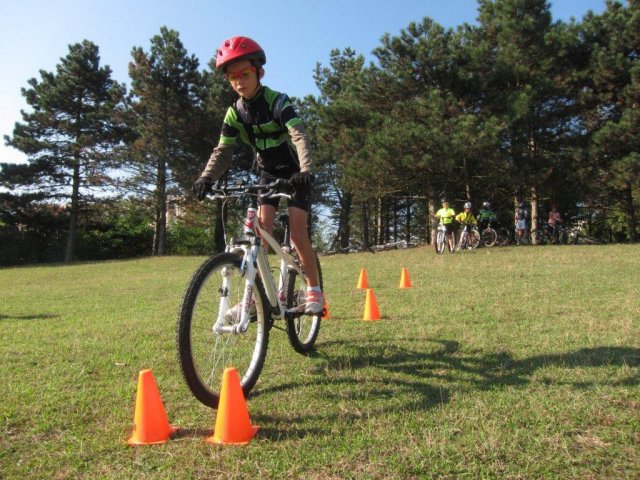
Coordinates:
275	189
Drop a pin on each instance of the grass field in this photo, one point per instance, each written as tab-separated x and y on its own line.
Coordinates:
498	363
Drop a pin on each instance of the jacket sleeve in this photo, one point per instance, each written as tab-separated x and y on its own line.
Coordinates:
219	161
301	141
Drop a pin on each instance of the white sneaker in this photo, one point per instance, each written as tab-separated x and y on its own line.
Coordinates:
233	314
314	303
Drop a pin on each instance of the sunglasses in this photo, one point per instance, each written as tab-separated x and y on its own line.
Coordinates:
234	77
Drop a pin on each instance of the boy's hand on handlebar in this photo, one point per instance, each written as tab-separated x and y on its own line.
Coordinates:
202	186
301	179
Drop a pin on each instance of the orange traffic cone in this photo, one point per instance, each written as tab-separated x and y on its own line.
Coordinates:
233	426
404	279
362	280
151	422
371	311
326	315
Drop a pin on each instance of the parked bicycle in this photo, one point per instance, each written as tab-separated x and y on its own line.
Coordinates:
504	236
547	234
232	300
577	233
469	237
442	242
488	236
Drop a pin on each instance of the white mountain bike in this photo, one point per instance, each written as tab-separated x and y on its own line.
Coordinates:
232	299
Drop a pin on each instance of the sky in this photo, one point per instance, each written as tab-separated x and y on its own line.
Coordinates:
296	35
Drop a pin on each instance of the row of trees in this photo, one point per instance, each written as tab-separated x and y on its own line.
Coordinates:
517	103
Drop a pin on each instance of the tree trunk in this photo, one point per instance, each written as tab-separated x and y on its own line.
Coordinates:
467	186
534	215
631	213
364	219
160	237
380	222
343	236
407	226
431	207
73	214
395	206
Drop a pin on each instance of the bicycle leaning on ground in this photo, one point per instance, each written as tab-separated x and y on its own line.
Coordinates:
232	300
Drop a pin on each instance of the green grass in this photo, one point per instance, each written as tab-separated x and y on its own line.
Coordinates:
497	363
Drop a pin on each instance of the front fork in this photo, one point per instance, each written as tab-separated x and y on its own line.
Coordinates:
248	270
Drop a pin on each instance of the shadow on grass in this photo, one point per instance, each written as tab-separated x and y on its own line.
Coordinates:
37	316
377	378
477	369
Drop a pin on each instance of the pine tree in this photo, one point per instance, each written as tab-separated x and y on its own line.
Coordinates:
69	134
169	121
611	100
523	47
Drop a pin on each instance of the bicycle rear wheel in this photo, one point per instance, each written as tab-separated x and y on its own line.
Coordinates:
203	353
489	237
302	330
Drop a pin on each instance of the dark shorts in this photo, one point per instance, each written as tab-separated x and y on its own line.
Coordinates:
301	195
449	228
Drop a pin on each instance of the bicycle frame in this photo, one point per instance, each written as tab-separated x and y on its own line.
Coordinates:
254	261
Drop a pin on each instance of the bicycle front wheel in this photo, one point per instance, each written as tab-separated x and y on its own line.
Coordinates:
302	330
440	241
489	237
203	353
473	239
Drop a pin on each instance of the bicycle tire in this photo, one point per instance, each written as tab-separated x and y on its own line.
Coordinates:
504	237
203	355
302	330
440	242
473	239
542	238
489	237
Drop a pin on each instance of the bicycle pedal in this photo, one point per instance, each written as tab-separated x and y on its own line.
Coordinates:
299	310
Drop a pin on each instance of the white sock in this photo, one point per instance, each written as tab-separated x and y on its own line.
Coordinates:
314	289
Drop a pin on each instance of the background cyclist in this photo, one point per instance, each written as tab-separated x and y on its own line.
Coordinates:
446	216
486	216
467	220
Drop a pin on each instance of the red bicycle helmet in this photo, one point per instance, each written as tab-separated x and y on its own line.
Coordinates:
237	48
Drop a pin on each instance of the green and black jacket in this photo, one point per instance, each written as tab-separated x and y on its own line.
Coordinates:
271	126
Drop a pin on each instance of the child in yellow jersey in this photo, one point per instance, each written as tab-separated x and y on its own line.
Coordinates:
467	219
446	216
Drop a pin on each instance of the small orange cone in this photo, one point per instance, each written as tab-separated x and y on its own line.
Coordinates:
151	422
326	315
362	280
371	311
233	426
404	279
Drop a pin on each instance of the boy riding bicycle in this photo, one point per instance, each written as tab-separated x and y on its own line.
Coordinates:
266	120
